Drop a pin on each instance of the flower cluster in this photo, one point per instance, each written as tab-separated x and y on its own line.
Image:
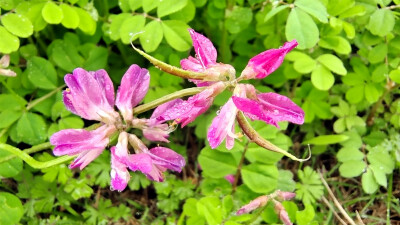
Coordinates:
90	95
268	107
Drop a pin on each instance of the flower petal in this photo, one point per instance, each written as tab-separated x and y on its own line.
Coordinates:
167	158
157	132
119	174
85	158
74	141
133	88
107	85
205	50
192	64
281	108
222	124
267	62
141	162
253	109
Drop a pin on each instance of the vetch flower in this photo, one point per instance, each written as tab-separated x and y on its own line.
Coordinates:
133	88
267	62
281	211
86	144
90	95
119	173
271	108
206	61
254	204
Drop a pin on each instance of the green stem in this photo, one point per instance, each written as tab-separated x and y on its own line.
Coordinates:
389	198
166	98
239	168
44	97
171	69
33	162
254	136
33	149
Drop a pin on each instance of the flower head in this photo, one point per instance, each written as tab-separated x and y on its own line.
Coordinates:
267	62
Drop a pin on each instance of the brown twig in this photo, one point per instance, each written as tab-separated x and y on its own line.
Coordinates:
239	168
326	202
337	203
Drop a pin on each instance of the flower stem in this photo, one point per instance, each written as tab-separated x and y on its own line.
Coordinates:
171	69
166	98
44	97
33	149
239	168
33	162
254	136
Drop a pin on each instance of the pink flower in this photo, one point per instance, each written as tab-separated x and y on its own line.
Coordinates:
185	112
230	178
206	61
133	88
90	95
254	204
88	144
267	62
271	108
119	173
283	215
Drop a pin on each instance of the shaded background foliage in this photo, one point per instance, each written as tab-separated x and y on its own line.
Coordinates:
344	74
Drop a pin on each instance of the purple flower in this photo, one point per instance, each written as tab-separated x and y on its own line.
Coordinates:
133	88
271	108
88	144
90	95
206	61
267	62
283	215
253	204
185	112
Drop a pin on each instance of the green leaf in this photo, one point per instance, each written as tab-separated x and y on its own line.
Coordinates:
339	6
152	36
339	126
149	5
395	75
187	14
310	186
260	178
167	7
71	17
327	139
333	63
314	8
11	167
217	164
8	42
115	26
97	59
352	168
11	209
355	94
177	35
305	216
336	43
275	11
238	19
11	102
322	78
86	22
52	13
349	154
303	63
301	27
71	122
382	160
285	181
210	208
379	175
8	117
368	182
78	189
381	22
65	55
378	53
41	73
371	93
17	24
32	129
131	26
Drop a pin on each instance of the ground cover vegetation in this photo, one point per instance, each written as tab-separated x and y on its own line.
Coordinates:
149	137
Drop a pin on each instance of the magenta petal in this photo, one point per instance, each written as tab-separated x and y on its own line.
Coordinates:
90	95
133	88
141	162
157	132
268	61
205	50
85	158
222	125
119	174
74	141
253	109
167	158
192	64
164	107
281	108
